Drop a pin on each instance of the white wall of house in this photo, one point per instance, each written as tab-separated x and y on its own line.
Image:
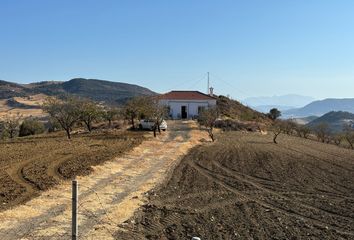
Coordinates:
192	106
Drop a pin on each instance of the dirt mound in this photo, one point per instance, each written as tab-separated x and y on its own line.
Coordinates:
245	187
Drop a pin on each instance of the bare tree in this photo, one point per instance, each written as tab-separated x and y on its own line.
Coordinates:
289	126
66	112
323	132
152	110
337	138
303	131
207	118
89	112
349	135
134	108
110	114
277	128
159	113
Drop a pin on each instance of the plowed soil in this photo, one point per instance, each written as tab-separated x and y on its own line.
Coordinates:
109	195
32	164
245	187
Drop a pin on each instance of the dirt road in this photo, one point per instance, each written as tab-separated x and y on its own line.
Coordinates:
108	197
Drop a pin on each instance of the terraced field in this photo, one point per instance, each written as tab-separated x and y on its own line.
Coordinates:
245	187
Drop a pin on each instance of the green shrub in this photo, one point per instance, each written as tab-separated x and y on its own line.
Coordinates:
53	125
31	127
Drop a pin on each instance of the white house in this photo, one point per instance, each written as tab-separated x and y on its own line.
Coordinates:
186	104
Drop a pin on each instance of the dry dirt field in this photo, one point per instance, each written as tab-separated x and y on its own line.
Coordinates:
31	164
108	196
245	187
30	106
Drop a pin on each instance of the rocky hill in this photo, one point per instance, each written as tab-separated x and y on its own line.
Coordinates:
99	90
335	120
9	90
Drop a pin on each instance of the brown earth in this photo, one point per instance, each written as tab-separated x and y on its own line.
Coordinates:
108	196
245	187
31	164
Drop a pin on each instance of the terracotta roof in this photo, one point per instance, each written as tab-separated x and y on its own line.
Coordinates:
186	95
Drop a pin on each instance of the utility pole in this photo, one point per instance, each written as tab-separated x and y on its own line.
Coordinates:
208	84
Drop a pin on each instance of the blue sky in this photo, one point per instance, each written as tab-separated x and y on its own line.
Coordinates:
251	48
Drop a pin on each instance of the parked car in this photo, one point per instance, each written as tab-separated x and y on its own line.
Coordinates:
149	124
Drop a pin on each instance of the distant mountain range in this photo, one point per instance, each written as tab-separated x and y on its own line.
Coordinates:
335	120
321	107
98	90
284	102
267	108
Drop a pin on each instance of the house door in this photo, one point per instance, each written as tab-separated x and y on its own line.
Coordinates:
184	112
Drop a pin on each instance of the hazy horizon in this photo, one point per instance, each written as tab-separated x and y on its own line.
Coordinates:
252	48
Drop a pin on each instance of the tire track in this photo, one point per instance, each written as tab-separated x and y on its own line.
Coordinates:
285	211
248	179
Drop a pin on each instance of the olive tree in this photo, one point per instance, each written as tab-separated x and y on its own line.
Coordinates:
66	112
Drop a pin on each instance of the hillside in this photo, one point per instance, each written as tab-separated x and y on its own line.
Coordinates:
99	90
9	90
233	109
319	108
25	106
335	120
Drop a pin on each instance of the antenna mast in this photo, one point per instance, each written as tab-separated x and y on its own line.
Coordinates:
208	84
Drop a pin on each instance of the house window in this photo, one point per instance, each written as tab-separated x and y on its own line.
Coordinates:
200	109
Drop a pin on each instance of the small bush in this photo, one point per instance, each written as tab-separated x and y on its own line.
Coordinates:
3	133
53	125
31	127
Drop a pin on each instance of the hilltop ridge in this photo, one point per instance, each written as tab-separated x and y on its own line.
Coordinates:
99	90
